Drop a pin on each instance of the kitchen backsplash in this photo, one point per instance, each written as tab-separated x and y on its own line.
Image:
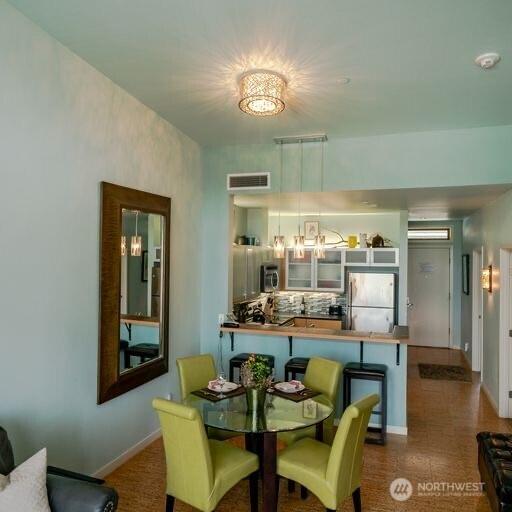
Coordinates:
289	303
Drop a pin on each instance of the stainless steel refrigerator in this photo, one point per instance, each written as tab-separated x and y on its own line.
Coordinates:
371	301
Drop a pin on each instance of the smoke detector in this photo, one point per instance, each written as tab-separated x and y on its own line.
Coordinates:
488	60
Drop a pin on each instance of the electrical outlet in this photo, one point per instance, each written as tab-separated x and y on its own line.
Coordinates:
466	347
221	318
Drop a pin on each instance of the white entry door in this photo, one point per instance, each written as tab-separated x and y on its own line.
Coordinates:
429	296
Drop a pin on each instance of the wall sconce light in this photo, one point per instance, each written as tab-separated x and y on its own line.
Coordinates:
487	278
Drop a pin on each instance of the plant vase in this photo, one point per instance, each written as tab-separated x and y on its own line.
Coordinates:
255	399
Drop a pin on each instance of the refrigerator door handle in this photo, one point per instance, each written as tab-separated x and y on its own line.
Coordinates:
350	304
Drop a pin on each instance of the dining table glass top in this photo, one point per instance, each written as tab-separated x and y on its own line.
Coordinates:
279	414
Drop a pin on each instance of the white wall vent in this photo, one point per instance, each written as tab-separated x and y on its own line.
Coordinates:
249	181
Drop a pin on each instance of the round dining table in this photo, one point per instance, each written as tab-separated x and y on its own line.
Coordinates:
261	428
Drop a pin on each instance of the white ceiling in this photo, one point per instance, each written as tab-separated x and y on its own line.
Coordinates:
410	61
427	203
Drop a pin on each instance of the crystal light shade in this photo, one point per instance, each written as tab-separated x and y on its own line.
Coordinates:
123	246
136	245
486	278
261	93
298	247
279	246
319	249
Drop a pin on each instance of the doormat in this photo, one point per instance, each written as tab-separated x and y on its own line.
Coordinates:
444	372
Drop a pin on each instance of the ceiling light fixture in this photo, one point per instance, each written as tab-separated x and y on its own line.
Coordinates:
136	242
488	60
319	250
279	244
262	93
298	240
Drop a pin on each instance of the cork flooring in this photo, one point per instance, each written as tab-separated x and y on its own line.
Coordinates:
443	418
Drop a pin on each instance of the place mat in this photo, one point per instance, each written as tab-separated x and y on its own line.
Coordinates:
305	394
212	396
444	372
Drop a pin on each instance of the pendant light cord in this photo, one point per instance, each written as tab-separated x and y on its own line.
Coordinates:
280	188
136	223
300	180
321	182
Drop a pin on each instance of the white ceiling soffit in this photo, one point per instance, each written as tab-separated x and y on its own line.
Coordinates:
422	203
410	62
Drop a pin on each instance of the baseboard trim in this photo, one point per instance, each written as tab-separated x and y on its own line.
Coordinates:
489	397
128	454
390	429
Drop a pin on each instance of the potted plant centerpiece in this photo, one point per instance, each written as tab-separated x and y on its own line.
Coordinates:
256	376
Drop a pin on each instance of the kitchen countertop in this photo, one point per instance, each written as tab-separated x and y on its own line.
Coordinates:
400	334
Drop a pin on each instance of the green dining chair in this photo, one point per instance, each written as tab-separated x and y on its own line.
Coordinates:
200	471
322	375
195	372
332	473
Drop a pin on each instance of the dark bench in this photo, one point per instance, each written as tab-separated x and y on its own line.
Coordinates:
495	465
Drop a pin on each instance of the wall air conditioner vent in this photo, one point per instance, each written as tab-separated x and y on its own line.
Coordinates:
249	181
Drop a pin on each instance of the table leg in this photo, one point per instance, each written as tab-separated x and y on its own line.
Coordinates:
269	475
320	431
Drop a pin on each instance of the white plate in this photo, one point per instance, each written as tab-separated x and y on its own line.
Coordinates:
228	387
286	387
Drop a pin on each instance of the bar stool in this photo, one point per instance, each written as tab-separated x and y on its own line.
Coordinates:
371	372
296	365
236	362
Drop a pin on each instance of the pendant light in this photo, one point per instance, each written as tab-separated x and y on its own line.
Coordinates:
319	250
136	245
298	240
279	245
123	246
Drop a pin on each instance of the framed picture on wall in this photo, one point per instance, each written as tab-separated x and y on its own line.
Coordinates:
311	229
144	267
465	274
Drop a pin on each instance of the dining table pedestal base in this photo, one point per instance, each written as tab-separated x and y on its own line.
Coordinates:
265	446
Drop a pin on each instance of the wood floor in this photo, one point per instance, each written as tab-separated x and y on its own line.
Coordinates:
443	418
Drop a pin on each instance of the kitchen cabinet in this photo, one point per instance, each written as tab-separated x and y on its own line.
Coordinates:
372	257
310	273
318	323
299	272
330	271
357	257
384	257
247	260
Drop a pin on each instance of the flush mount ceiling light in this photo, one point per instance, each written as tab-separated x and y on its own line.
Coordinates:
262	93
488	60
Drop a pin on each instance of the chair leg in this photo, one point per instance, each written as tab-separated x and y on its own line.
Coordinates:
253	491
303	493
356	498
330	510
169	503
291	486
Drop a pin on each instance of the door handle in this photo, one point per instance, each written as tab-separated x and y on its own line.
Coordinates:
410	305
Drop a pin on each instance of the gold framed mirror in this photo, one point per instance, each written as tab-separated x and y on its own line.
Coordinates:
134	289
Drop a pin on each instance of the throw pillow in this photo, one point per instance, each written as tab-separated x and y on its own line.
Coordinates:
25	488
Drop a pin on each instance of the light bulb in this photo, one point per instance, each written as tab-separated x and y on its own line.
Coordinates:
319	249
136	245
298	247
279	246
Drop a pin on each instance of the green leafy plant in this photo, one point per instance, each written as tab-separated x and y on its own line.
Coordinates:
256	372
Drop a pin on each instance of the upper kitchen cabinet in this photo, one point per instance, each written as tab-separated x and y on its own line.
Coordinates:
300	272
374	257
310	273
384	257
247	261
357	257
330	274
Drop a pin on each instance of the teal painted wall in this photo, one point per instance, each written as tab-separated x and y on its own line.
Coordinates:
64	128
490	227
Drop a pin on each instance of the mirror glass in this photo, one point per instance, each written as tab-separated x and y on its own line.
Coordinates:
140	333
